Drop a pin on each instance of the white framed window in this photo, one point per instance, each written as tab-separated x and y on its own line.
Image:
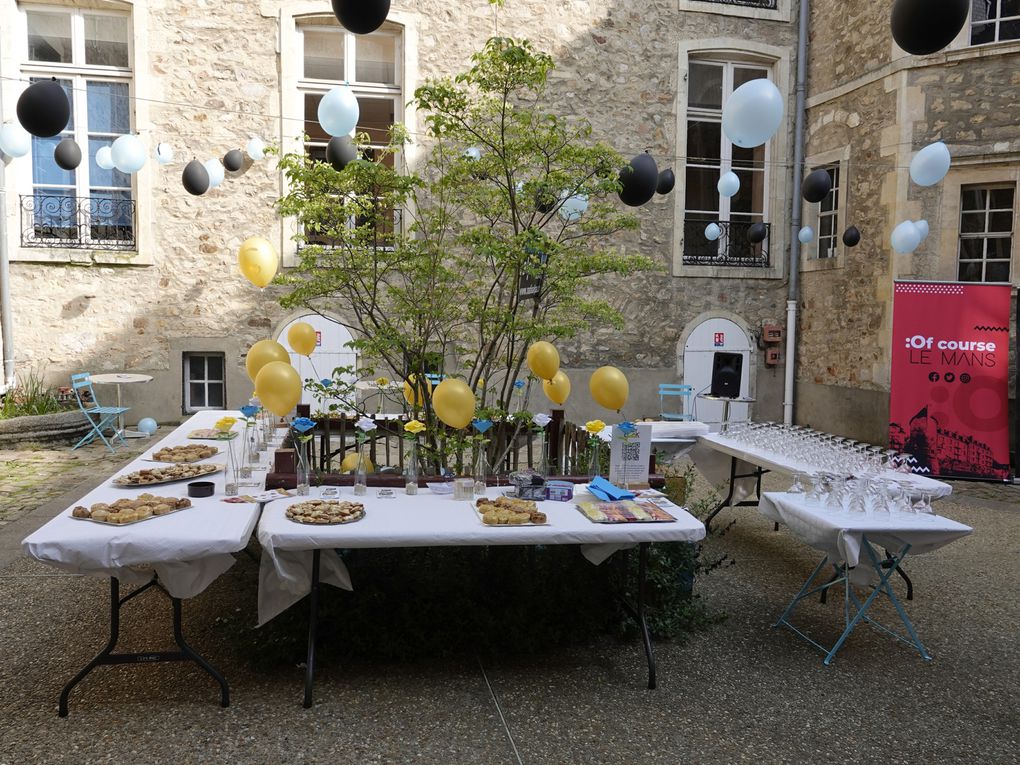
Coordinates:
204	383
994	21
986	232
827	231
89	53
709	153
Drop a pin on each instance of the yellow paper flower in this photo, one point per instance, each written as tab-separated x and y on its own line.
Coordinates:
594	426
414	426
225	423
381	381
481	382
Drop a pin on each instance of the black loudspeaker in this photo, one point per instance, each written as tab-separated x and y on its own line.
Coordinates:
726	371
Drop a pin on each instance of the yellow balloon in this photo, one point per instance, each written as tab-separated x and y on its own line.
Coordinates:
558	389
302	338
278	387
543	360
261	353
454	403
609	388
350	463
415	394
258	260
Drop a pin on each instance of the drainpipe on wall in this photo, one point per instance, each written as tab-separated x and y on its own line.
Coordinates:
793	295
6	323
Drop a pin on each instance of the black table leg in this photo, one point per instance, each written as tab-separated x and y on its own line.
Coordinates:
637	611
728	502
313	626
107	657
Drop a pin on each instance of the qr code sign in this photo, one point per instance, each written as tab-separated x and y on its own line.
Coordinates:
631	452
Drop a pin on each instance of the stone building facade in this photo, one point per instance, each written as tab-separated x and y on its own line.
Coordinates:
164	297
871	106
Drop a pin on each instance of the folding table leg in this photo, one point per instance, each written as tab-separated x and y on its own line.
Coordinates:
637	612
313	627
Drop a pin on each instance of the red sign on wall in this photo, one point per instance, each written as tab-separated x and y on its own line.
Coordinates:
719	340
318	339
948	397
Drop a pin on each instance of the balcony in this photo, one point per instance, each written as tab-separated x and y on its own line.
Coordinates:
731	249
95	223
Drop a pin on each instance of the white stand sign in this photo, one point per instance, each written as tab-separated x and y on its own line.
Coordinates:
628	457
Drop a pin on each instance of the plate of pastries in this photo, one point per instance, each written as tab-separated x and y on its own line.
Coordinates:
509	511
144	507
170	474
186	453
323	512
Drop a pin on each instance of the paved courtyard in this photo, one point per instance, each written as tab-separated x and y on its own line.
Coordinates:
737	692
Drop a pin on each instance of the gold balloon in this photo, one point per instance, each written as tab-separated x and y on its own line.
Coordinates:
302	338
609	388
278	387
454	403
261	353
258	260
415	394
543	360
558	389
350	463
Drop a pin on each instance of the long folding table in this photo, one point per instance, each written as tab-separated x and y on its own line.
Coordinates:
180	554
297	557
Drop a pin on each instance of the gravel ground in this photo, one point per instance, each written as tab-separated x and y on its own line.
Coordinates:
737	692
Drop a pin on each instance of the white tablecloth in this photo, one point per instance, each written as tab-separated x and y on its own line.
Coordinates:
187	549
713	452
839	535
430	520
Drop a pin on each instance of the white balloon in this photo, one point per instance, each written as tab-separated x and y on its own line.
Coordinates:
753	114
216	172
806	235
573	207
473	152
930	164
256	148
905	237
15	141
128	153
339	111
104	158
164	153
922	228
712	232
729	184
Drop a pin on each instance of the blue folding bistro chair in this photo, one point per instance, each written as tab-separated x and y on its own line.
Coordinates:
674	390
99	417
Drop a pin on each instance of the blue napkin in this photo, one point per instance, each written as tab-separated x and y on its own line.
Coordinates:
602	489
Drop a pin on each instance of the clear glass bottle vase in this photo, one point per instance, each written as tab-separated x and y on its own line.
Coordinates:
595	464
302	477
481	472
361	473
411	468
230	478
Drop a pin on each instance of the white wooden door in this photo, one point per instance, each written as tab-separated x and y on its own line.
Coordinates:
708	337
330	352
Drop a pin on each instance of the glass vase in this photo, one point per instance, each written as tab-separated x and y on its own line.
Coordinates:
481	472
542	464
360	473
411	468
302	478
595	465
230	477
250	453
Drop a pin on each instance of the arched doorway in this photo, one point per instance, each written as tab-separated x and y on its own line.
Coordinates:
705	336
330	352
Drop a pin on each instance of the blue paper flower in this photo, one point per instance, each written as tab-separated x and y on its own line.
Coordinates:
482	425
303	424
249	411
325	382
519	384
627	428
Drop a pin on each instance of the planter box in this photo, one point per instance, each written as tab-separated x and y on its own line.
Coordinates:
61	428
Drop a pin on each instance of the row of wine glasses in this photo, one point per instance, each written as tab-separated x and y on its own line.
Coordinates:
862	496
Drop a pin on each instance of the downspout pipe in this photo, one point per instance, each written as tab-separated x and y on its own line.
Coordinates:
793	268
6	322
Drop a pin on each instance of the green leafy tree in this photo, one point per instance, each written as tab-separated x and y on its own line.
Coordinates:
430	260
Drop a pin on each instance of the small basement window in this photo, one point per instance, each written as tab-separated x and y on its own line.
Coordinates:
204	382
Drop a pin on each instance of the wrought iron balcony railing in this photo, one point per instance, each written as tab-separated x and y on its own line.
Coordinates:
100	223
770	5
731	249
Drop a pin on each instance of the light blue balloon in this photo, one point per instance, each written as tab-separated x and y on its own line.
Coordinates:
473	152
339	111
729	184
573	208
148	426
128	153
930	164
753	114
712	232
922	228
905	237
806	235
14	140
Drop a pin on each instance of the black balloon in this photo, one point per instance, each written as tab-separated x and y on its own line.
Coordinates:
233	160
67	155
341	151
361	16
851	236
639	180
927	26
666	181
43	109
195	178
545	200
816	186
757	232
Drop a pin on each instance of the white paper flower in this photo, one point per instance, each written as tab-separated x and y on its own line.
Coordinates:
606	434
365	424
541	419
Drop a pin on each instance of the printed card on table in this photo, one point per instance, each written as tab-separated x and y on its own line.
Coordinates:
628	457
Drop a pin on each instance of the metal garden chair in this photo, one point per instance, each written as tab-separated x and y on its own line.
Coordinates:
672	391
99	417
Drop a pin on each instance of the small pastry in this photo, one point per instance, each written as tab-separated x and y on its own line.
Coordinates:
80	512
101	515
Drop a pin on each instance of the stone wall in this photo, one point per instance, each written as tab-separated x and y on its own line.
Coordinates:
617	65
